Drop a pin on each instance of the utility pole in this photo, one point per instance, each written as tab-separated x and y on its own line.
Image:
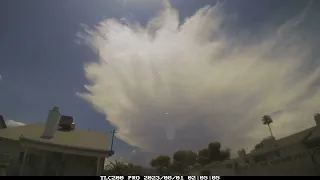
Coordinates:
113	132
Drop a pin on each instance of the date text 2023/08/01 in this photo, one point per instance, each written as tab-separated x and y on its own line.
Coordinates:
160	177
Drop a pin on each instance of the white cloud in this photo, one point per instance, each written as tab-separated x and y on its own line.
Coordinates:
12	123
167	86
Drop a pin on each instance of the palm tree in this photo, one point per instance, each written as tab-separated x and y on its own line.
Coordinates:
267	120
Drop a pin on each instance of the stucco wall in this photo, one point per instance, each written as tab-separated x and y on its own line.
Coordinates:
74	164
80	166
10	147
13	148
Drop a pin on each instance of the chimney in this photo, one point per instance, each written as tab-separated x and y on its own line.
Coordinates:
3	124
316	118
242	153
51	124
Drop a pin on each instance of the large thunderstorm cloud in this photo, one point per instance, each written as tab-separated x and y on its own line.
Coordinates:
172	85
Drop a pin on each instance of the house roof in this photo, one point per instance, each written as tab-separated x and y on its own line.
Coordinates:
78	138
295	138
285	141
314	135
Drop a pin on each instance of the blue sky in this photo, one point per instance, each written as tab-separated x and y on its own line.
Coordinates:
42	66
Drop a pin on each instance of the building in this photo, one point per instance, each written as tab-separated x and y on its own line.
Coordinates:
55	148
297	154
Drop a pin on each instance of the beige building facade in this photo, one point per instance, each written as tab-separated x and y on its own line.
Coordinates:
24	150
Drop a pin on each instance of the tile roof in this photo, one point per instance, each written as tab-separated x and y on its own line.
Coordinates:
79	138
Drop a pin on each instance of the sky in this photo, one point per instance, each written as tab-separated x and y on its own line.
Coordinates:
163	82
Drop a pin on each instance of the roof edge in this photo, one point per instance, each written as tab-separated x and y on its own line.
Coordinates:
108	153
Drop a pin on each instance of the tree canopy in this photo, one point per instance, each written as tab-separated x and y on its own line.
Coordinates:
181	163
161	163
119	168
267	120
184	160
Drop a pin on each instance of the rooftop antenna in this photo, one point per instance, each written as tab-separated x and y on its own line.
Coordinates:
113	132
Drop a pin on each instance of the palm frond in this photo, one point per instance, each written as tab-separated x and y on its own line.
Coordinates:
266	119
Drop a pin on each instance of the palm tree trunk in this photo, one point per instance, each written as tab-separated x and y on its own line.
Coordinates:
113	132
270	130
